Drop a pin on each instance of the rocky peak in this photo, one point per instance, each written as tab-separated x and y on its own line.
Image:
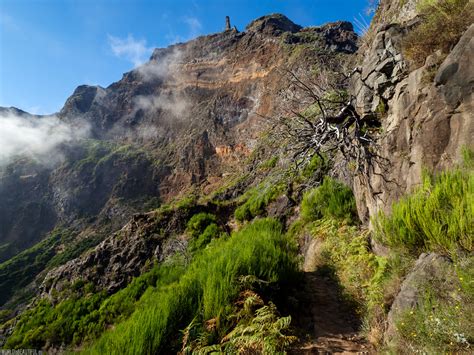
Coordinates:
337	36
82	98
274	25
190	116
395	11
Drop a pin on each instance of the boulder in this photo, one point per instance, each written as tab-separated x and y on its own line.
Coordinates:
430	271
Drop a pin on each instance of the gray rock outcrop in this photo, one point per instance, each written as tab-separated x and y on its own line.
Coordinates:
274	24
114	262
425	122
430	270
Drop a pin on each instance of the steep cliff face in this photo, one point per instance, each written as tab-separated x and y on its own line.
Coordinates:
22	223
183	121
426	113
425	107
396	11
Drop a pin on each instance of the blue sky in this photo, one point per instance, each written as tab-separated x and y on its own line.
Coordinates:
49	47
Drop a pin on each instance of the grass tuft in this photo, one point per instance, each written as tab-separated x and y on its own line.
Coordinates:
443	23
256	201
332	199
206	289
438	216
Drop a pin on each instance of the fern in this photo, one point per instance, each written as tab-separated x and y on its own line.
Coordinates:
259	329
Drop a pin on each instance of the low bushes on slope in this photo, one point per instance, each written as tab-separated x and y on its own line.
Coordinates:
442	322
332	199
256	200
443	23
206	290
368	280
345	255
436	216
86	314
20	270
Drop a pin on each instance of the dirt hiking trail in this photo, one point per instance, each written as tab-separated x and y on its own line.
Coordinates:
328	324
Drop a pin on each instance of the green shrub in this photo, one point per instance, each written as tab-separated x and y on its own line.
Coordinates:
186	203
56	325
206	290
211	232
93	151
316	165
5	314
443	23
256	201
242	213
84	317
198	223
436	216
331	199
270	163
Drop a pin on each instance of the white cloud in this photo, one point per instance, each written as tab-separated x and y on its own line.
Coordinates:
161	68
135	51
173	104
36	137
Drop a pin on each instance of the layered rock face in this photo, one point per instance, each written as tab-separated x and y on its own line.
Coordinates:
227	83
187	118
426	114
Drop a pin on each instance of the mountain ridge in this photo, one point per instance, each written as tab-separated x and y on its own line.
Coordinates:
183	119
197	150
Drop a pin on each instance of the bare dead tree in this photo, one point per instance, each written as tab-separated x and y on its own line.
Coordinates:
318	117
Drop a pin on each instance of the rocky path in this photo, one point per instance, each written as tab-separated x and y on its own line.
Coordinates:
328	324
